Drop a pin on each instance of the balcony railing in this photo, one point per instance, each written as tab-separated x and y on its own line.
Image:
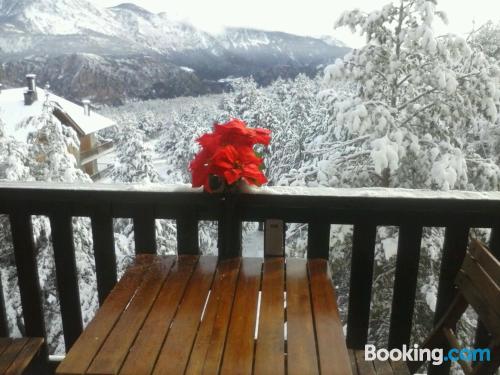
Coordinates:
365	209
97	152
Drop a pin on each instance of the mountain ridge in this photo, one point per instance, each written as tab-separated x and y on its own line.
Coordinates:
37	32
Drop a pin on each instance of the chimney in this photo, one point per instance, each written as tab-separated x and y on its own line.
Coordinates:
86	107
31	95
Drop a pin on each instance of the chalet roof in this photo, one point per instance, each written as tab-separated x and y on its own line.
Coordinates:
13	111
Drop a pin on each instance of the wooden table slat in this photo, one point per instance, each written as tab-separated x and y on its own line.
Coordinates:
352	360
88	344
208	348
364	367
25	356
11	352
143	354
177	347
270	346
301	339
4	343
400	368
329	332
382	367
239	353
115	349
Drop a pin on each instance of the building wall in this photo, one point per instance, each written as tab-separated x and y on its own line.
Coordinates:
87	143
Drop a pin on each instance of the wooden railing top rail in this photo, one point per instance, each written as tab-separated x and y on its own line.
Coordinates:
375	193
292	204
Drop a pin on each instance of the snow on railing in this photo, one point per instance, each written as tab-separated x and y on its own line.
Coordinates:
265	190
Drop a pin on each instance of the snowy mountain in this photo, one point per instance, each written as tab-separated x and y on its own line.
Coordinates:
124	38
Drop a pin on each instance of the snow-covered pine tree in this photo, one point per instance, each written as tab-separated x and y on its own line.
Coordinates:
134	164
134	158
421	99
487	39
52	147
177	147
415	118
13	167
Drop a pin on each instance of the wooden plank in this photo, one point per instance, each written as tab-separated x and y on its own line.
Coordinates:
364	367
143	354
66	276
405	285
489	263
27	273
25	356
88	344
435	339
301	339
186	322
483	337
187	234
489	316
239	352
332	350
104	252
117	345
270	345
400	368
485	285
144	230
318	239
4	343
11	353
206	356
352	359
360	290
382	367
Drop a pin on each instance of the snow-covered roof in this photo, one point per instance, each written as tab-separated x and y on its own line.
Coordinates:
13	111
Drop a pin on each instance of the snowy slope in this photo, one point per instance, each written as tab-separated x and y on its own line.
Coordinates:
128	37
61	17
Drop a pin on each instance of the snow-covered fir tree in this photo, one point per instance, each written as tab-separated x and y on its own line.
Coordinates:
48	156
134	157
52	149
420	99
13	167
133	164
414	119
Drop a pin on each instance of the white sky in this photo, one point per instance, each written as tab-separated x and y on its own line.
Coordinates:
303	17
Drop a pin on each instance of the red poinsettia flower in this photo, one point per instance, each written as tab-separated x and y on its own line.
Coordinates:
235	132
228	154
236	163
199	168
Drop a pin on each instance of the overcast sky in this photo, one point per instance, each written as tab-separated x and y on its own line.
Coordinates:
303	17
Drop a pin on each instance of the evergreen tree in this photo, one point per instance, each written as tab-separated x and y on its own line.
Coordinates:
134	162
13	161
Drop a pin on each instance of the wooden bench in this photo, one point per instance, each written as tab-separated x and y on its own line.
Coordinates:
478	285
20	356
190	314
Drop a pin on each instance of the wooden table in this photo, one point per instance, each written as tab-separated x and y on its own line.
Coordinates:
190	314
20	355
